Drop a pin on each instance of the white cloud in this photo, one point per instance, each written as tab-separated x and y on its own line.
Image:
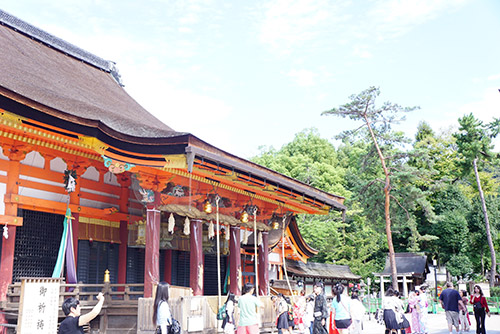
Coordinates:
494	77
286	25
303	78
391	19
486	108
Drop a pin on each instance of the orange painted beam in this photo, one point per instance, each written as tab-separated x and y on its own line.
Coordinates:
11	220
60	208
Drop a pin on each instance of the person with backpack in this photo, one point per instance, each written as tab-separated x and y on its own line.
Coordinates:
226	314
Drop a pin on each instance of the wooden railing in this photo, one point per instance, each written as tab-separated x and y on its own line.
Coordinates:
114	294
126	311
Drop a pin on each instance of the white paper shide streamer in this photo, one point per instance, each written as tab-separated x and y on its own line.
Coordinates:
211	230
171	223
187	230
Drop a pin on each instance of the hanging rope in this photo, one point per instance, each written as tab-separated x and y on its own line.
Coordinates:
283	254
217	198
255	250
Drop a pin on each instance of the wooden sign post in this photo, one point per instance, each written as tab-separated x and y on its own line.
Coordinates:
38	306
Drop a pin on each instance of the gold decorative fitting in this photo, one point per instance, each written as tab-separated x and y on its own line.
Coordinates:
207	207
106	276
141	232
244	217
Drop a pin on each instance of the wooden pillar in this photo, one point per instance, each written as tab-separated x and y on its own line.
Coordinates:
235	261
167	272
152	256
264	265
196	257
124	180
15	154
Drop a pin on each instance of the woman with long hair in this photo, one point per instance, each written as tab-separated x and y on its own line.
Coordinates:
481	308
341	309
228	324
162	317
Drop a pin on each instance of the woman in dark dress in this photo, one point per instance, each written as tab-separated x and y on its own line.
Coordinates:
320	310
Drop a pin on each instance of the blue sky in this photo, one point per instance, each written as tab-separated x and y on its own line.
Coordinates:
244	74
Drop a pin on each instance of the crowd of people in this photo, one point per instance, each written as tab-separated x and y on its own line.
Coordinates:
312	314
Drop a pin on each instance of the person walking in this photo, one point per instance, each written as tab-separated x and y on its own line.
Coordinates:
450	300
228	324
74	321
481	308
464	313
309	315
424	310
320	310
162	317
414	306
393	312
282	322
341	309
357	313
248	305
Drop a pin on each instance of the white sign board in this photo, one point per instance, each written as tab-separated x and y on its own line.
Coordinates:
39	306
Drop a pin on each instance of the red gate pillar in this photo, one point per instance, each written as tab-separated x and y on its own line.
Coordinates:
152	256
167	272
196	257
15	155
235	261
264	265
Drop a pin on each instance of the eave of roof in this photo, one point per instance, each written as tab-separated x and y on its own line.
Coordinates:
321	270
49	80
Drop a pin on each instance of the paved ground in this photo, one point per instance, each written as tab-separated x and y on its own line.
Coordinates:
437	325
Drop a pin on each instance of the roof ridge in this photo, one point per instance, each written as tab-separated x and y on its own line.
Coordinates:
59	44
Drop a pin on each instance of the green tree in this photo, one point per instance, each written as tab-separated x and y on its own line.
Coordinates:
362	108
474	141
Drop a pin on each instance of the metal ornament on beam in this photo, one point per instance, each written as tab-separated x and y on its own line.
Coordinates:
116	167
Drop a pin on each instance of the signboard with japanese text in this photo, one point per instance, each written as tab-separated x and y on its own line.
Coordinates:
38	306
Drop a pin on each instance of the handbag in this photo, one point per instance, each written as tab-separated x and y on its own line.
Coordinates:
477	305
174	328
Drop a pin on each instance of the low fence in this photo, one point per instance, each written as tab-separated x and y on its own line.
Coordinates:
372	304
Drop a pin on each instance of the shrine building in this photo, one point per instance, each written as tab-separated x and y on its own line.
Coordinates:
150	203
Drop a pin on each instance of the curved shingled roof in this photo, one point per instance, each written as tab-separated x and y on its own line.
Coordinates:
36	71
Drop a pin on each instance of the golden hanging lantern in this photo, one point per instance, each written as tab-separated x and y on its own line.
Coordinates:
244	217
207	207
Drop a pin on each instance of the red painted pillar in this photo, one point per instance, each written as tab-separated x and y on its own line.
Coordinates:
15	155
152	256
122	253
167	273
235	261
196	257
264	265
